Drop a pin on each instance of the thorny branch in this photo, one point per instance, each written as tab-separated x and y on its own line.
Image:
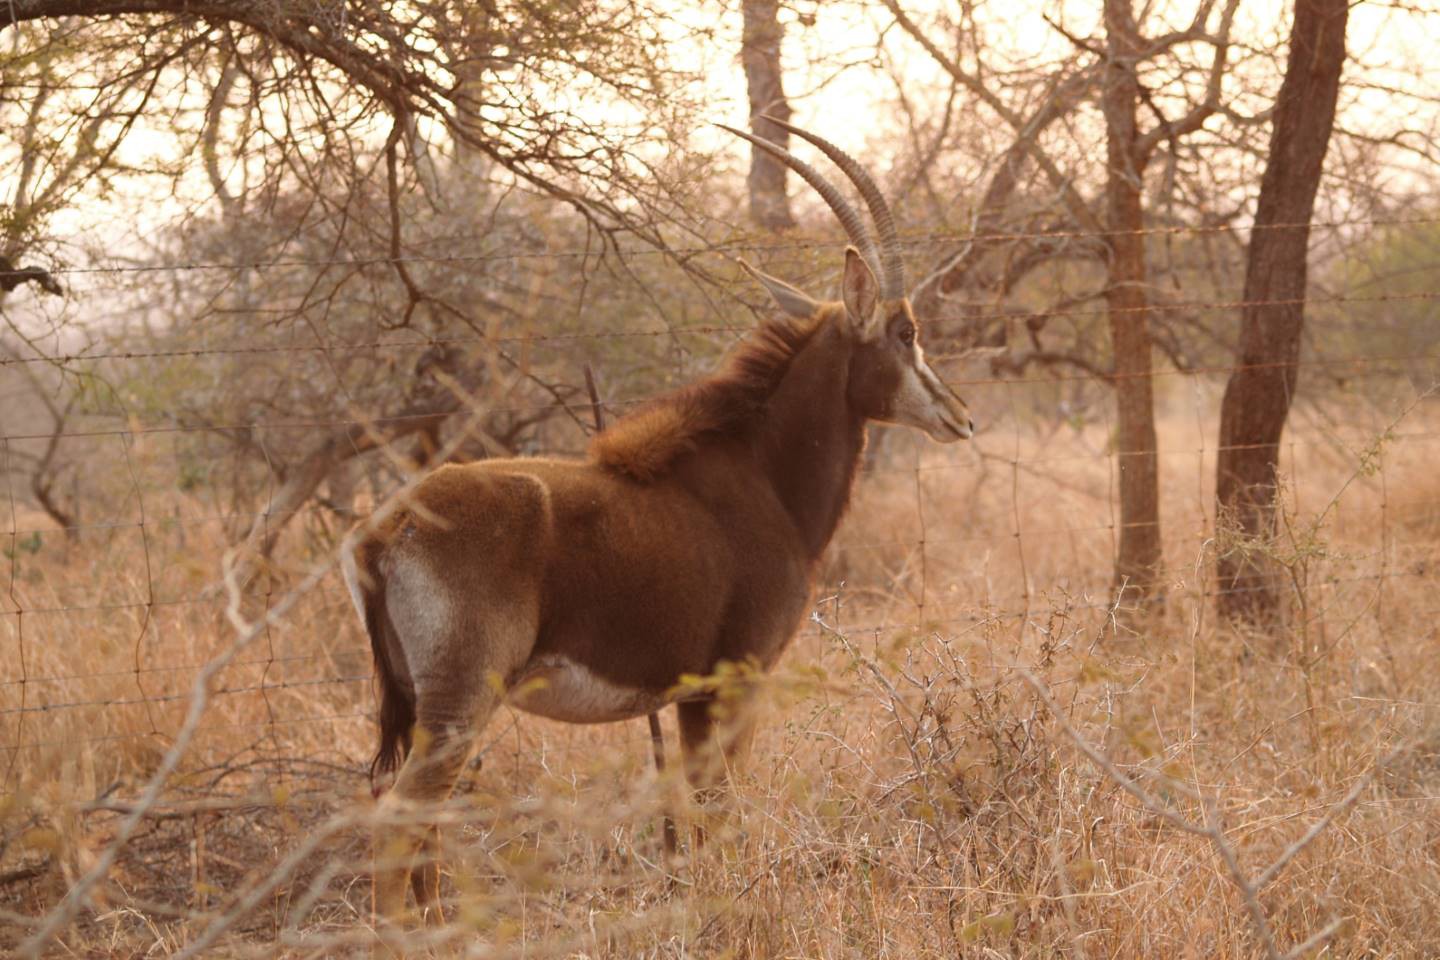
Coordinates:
246	632
1212	827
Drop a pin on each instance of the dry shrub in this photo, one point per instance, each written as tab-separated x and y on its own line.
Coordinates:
909	794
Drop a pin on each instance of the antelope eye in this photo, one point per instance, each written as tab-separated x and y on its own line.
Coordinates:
906	334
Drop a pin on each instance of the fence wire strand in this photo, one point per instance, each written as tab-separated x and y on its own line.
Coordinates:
24	611
911	241
304	680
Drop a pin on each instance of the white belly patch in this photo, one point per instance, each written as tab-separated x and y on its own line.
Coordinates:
561	689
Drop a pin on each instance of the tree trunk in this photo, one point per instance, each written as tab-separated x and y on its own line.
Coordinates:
760	54
1261	388
1138	561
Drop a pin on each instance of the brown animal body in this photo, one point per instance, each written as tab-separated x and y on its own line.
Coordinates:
686	539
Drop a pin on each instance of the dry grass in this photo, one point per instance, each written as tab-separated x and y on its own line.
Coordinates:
909	795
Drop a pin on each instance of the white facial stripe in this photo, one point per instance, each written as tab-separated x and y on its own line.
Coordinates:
934	382
914	395
923	400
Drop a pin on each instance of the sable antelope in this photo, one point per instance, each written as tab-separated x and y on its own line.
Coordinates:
687	538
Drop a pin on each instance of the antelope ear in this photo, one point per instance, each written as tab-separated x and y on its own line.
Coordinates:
793	301
859	291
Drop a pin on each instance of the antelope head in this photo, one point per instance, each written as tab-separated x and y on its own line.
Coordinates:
889	378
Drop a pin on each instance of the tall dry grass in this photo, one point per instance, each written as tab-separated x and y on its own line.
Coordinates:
908	794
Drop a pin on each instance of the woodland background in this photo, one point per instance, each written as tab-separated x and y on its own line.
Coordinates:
1143	670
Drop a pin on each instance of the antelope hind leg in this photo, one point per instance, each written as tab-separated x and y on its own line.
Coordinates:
425	880
427	777
449	715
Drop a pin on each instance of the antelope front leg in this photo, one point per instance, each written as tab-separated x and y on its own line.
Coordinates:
715	747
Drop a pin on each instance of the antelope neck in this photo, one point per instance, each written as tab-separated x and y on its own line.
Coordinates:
808	439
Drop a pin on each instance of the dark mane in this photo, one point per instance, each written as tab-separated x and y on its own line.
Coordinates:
644	444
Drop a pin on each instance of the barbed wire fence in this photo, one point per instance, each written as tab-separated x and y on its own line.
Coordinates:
133	649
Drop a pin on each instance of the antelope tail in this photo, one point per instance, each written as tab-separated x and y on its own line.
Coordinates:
397	702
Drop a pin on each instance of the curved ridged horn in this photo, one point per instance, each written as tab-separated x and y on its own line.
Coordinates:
892	280
848	216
